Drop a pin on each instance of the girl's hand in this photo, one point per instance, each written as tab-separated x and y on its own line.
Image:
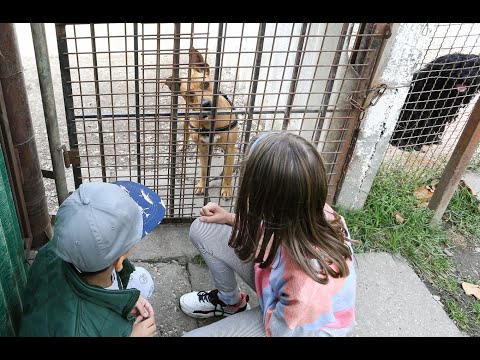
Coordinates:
214	213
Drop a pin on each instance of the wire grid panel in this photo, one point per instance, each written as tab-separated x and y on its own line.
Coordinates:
443	91
127	116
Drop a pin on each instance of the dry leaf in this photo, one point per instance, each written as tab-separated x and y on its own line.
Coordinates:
398	217
471	289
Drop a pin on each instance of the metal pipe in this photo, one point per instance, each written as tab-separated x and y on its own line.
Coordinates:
49	109
23	137
68	99
216	85
98	102
295	74
173	124
137	99
253	90
331	80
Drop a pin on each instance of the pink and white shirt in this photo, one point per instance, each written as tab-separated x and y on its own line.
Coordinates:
294	304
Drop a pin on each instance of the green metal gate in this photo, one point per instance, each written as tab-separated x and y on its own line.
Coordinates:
13	266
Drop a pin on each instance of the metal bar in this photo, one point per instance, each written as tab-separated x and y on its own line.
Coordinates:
380	32
296	71
313	82
130	152
361	42
330	82
463	153
156	148
167	67
82	105
48	174
253	90
67	98
168	36
216	85
181	113
143	99
98	102
267	76
112	99
173	123
23	135
137	98
49	108
282	78
186	138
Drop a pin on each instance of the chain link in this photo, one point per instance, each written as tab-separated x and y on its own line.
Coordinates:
377	90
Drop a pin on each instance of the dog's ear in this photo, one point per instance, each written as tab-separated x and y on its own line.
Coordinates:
197	61
169	82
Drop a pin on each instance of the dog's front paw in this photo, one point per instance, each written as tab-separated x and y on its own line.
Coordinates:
200	188
226	193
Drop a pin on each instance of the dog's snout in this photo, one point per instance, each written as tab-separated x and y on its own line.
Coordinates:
206	104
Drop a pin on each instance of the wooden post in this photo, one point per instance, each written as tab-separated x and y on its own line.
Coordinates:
466	147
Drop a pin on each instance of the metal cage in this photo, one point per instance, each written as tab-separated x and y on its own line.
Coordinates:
124	121
442	94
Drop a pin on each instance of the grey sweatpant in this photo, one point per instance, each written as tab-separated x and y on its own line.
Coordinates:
211	240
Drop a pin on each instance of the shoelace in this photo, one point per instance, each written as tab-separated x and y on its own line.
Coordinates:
211	296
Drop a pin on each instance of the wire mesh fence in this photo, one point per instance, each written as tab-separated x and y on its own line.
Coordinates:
174	106
443	91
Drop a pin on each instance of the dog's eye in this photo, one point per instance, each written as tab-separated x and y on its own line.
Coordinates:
206	84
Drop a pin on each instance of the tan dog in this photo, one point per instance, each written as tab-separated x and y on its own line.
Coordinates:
197	92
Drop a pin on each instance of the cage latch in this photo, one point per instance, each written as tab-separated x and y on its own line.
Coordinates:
375	92
70	157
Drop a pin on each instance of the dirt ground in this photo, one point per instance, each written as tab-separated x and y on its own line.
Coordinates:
464	250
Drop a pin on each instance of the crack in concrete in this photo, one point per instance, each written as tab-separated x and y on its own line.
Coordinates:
372	155
182	260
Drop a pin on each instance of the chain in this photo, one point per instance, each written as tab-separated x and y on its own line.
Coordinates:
377	91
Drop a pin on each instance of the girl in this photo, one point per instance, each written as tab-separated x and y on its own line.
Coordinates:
284	241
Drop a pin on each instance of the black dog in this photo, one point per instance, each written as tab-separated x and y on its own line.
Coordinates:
437	93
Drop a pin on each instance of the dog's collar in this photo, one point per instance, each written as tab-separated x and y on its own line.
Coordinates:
229	127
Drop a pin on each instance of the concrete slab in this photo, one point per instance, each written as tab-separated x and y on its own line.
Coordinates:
171	282
393	301
472	179
167	242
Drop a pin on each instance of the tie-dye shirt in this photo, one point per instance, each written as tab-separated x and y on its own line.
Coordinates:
294	304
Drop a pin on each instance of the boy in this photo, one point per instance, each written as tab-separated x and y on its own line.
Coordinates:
80	283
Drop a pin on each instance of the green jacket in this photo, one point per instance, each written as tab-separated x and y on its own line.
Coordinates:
57	302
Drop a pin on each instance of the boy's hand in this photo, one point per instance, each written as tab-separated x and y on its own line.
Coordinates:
142	308
144	328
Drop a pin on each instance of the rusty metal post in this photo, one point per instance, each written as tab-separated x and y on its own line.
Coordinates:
23	137
463	153
49	109
14	174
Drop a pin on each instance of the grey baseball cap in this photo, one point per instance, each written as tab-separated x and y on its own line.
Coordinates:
99	222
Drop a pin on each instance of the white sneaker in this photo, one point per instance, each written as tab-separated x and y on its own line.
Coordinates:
204	304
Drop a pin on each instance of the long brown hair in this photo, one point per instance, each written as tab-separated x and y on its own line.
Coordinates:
282	195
